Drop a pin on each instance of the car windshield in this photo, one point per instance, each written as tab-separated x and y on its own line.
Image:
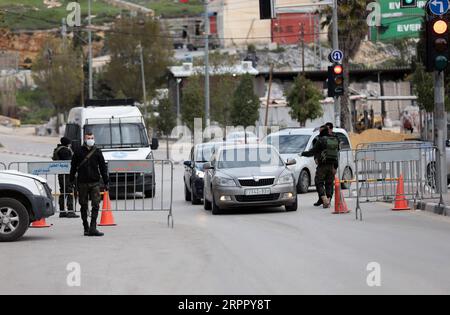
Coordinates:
249	157
204	153
289	144
119	135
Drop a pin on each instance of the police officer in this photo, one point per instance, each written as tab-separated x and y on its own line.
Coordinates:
336	164
88	162
316	159
326	149
63	152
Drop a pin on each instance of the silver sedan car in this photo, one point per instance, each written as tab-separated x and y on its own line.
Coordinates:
248	176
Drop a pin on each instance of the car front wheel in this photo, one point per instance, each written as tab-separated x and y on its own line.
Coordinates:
304	181
14	220
215	208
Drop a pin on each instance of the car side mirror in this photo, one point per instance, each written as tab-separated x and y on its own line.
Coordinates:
208	166
188	163
155	144
447	143
291	162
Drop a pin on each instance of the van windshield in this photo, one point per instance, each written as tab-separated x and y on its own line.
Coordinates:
120	135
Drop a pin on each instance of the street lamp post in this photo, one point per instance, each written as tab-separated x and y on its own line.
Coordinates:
178	102
207	100
91	89
144	89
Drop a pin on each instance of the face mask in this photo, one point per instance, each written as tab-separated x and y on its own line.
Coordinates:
90	142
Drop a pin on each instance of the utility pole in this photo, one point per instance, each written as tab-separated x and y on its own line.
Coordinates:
178	102
266	121
207	98
337	107
440	126
91	89
302	39
144	89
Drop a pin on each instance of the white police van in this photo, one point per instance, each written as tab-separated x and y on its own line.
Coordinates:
120	132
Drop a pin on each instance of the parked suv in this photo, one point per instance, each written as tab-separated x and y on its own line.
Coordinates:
24	199
292	142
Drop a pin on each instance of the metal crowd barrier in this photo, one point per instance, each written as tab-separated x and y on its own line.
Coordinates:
379	166
3	166
139	185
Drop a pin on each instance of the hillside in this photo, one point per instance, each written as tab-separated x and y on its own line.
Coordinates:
172	8
47	14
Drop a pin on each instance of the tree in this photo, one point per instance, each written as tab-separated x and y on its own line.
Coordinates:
193	102
304	100
245	103
166	120
58	72
124	71
352	29
222	86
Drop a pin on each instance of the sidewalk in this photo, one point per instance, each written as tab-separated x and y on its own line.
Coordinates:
433	205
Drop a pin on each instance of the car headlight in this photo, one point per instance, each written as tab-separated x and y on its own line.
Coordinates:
200	174
227	182
41	188
287	179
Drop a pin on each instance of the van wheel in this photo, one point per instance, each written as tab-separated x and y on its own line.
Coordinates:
150	193
14	220
304	181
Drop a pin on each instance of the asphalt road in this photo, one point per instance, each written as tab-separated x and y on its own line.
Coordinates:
258	251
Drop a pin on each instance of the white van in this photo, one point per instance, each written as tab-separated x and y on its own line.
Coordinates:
120	133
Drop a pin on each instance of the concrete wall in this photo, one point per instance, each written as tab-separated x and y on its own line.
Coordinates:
238	21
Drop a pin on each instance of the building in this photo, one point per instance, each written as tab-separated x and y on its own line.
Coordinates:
238	23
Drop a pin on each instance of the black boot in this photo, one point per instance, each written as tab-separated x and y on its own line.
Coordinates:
72	215
93	228
86	228
63	214
318	203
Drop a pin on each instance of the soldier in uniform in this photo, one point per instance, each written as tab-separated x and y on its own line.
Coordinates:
88	162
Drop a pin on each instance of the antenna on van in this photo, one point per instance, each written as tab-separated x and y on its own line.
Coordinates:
110	102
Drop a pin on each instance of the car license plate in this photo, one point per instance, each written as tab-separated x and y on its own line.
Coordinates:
257	191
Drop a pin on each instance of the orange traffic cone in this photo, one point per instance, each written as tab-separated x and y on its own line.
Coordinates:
107	216
40	224
401	203
340	206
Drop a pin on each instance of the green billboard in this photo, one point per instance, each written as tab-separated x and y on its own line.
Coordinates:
398	23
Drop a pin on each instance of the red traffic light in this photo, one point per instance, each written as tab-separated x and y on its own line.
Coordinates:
338	69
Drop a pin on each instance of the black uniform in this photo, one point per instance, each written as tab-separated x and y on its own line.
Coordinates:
326	170
64	153
90	165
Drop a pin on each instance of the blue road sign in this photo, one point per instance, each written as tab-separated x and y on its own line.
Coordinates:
439	7
336	56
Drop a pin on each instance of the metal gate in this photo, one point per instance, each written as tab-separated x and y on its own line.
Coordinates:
379	166
138	185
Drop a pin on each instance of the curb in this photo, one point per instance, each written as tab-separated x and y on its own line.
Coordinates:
26	154
432	207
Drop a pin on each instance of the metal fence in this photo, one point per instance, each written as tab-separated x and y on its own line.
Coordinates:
3	166
138	185
379	166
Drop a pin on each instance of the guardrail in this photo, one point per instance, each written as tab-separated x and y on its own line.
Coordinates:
138	185
379	166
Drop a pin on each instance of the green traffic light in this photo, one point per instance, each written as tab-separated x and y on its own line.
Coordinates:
440	63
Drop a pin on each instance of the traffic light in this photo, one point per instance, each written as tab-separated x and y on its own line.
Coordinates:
267	9
408	4
335	80
438	52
